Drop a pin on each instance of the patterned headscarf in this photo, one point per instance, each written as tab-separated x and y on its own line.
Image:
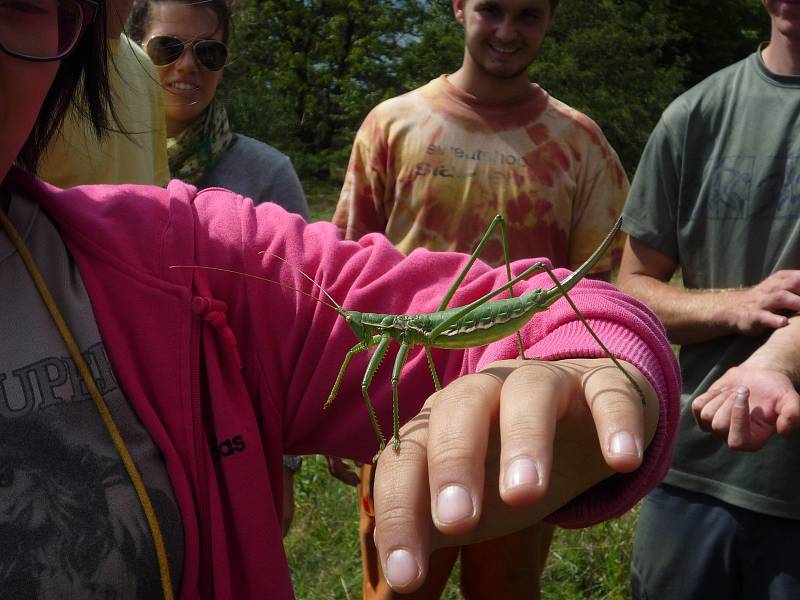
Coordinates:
195	151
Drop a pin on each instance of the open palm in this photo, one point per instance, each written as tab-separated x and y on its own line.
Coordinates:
747	406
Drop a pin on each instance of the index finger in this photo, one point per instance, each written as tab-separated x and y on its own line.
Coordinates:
407	501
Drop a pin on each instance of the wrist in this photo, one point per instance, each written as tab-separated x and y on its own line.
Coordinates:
730	303
766	360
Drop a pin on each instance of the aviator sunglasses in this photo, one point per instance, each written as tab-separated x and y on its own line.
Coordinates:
164	50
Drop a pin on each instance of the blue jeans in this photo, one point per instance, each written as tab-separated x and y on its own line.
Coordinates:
692	546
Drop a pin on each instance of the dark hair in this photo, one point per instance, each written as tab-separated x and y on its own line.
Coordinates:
139	21
81	82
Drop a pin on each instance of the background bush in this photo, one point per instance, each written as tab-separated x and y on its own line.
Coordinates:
306	72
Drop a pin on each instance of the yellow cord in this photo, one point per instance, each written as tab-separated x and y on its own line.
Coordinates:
105	414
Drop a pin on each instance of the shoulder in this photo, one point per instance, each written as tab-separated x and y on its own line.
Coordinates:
707	97
143	227
576	127
248	159
404	105
252	150
561	111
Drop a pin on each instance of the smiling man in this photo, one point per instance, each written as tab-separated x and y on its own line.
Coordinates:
431	168
723	165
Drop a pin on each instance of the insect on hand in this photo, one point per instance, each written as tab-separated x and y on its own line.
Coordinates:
481	322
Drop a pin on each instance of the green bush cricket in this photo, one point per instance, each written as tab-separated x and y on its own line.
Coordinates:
481	322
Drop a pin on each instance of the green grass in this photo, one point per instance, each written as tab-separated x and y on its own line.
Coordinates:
322	197
323	546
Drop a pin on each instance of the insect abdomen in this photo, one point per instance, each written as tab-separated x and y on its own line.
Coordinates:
487	324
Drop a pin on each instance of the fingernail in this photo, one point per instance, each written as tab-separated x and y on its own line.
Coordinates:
623	444
522	471
454	504
401	568
740	400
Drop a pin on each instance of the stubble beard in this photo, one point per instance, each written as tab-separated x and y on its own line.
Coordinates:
497	73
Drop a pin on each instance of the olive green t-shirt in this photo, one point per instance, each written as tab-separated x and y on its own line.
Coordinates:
718	190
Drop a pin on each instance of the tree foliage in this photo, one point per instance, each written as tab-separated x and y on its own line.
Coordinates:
306	72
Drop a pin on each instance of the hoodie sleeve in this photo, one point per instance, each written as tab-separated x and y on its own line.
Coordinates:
292	341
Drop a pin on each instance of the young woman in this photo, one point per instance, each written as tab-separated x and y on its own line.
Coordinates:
196	381
186	41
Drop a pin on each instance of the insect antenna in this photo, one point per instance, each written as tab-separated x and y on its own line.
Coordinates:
307	276
335	306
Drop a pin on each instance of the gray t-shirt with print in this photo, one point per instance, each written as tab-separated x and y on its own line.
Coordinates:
71	525
718	190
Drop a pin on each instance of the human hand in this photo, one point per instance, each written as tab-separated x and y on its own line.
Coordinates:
764	306
341	470
478	461
747	406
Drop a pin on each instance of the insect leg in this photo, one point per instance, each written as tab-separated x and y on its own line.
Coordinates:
359	347
591	331
498	220
436	383
568	283
465	310
372	367
478	249
399	361
504	238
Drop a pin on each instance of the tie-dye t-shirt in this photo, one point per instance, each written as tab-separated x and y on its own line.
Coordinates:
431	168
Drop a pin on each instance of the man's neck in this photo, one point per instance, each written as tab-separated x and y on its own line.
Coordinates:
782	56
486	88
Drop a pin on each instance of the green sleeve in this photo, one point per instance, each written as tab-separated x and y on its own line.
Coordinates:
650	214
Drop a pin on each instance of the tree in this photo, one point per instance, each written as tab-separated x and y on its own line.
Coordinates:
606	58
307	72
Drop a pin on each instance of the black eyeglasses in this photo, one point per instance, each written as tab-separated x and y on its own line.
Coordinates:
164	50
43	30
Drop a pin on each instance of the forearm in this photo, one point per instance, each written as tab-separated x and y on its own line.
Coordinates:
689	316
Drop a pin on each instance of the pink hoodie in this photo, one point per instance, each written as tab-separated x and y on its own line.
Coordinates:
208	355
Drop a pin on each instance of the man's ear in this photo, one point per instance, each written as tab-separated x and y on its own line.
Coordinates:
458	10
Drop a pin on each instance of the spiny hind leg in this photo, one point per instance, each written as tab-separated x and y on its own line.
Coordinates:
506	257
497	221
591	331
475	254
